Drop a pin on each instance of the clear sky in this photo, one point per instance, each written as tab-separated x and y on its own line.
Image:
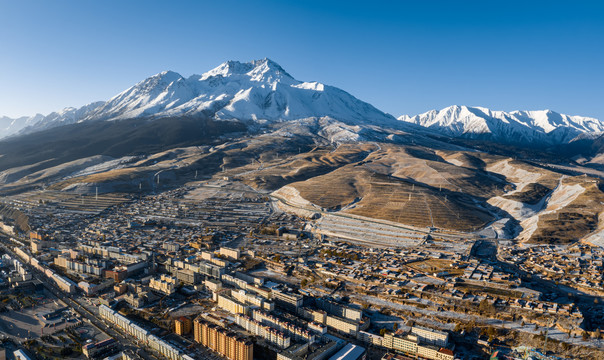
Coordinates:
404	57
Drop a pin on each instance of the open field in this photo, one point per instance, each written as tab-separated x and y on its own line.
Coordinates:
435	266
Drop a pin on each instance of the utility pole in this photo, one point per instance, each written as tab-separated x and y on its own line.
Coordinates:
546	334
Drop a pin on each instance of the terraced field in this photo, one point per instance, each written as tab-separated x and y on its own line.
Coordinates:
65	201
366	232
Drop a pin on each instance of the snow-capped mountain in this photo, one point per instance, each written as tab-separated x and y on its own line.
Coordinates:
262	91
10	126
544	126
66	116
257	91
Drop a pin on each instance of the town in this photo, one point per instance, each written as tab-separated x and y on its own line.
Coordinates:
218	271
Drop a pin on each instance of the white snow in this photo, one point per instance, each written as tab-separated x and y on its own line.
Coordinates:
560	197
257	90
10	126
262	91
516	126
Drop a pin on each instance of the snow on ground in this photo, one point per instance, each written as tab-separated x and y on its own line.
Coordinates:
455	162
518	176
560	198
293	202
596	238
517	210
553	332
106	166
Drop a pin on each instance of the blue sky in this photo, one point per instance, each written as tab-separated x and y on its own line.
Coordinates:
401	56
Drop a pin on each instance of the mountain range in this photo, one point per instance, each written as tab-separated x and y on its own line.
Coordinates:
469	170
261	92
520	127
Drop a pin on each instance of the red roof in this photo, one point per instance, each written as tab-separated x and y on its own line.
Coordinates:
446	351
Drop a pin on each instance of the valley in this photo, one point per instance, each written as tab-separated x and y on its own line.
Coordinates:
287	215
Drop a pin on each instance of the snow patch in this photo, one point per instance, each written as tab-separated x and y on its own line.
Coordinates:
560	198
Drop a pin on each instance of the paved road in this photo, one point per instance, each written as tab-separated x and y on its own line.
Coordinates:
125	341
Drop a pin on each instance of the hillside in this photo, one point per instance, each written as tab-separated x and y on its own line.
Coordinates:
462	170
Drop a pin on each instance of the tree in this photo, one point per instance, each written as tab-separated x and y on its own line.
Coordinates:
585	336
303	283
485	306
597	333
395	326
382	332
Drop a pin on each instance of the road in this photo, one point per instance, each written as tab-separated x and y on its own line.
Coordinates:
125	341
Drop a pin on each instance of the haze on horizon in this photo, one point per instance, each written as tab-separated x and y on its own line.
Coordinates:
403	58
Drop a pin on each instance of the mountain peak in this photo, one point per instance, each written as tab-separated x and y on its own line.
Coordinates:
258	70
165	77
258	91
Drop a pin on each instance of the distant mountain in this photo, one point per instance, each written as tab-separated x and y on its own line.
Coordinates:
66	116
262	92
517	127
10	126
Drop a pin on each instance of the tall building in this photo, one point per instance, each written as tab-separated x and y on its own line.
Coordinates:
289	301
182	325
228	344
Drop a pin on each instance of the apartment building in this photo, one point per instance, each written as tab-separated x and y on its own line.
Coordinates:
229	304
342	325
230	253
430	336
289	301
227	344
182	325
143	336
165	284
271	335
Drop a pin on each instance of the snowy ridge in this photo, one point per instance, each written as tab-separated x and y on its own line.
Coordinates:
544	126
261	91
258	91
66	116
10	126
